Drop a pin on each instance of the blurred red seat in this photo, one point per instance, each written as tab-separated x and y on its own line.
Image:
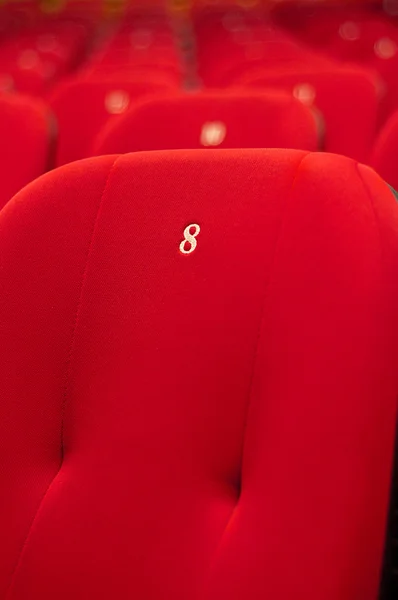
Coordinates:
359	35
350	124
234	50
231	44
39	55
198	378
231	119
27	138
84	105
140	44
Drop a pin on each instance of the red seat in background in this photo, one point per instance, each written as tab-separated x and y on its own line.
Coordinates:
198	378
226	119
350	124
27	142
230	44
318	26
136	61
83	106
39	55
232	51
364	36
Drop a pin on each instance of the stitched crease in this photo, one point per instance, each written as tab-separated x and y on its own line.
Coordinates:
372	206
257	344
262	316
66	386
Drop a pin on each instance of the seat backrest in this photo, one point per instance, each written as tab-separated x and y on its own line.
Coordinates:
39	55
234	119
350	126
198	378
376	46
366	37
84	105
27	138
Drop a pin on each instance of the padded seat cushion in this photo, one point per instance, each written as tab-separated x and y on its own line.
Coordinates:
198	361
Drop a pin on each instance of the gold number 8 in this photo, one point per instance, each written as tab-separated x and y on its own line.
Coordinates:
190	238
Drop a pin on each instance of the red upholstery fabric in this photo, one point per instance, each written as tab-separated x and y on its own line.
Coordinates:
385	152
214	425
350	125
26	142
227	120
84	106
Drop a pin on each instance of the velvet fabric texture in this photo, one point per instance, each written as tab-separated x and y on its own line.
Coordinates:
198	378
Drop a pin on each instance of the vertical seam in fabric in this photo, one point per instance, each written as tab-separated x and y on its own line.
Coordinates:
66	386
262	314
79	306
372	206
256	347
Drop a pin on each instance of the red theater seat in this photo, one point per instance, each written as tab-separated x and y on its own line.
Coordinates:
227	120
233	51
27	136
231	44
385	152
318	26
198	378
38	56
366	37
350	123
84	105
376	47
